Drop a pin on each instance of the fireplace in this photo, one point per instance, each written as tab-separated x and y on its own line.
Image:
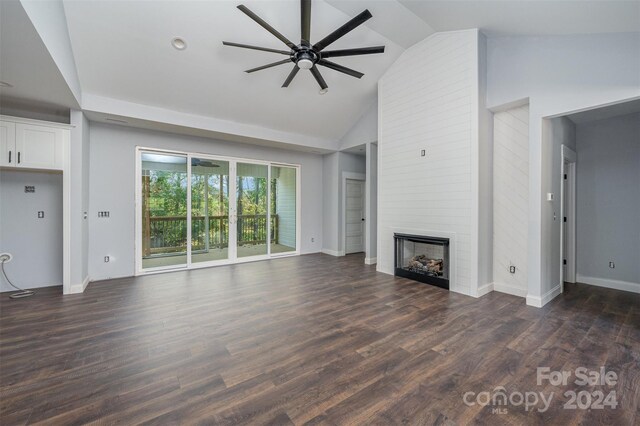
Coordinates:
422	258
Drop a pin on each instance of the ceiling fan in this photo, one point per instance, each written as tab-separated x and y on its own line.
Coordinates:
305	55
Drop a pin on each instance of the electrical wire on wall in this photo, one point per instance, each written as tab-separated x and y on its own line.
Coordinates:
4	258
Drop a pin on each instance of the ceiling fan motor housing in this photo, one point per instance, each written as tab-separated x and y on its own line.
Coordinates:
305	58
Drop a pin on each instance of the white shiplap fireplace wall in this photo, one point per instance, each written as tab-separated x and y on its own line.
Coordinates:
432	99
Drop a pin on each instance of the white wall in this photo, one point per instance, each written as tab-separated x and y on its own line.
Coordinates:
33	110
483	168
112	185
36	244
608	201
49	20
511	199
558	74
364	130
371	205
86	191
429	99
79	196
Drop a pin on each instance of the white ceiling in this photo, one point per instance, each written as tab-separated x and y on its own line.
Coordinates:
122	50
529	17
26	63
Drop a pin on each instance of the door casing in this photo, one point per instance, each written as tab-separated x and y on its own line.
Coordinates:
351	176
568	210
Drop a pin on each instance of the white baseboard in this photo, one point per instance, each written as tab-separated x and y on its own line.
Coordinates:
485	289
539	302
79	288
332	252
614	284
370	260
509	289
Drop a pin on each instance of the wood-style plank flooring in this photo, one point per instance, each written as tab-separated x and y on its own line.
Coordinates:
304	340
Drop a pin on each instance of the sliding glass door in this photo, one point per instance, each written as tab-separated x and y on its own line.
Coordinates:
164	210
209	210
201	210
251	210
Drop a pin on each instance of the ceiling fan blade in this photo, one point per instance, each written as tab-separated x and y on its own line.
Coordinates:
316	74
340	68
305	20
292	74
273	64
266	26
264	49
352	24
353	52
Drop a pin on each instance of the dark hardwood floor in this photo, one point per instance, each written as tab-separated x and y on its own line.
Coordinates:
311	339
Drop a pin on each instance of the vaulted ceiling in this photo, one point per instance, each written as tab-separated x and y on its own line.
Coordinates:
123	51
124	57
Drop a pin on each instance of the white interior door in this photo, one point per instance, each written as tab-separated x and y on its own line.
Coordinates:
354	216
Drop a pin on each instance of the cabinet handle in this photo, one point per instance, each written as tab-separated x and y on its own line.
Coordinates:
9	157
18	157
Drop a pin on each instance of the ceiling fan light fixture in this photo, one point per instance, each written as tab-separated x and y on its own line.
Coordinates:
305	64
178	43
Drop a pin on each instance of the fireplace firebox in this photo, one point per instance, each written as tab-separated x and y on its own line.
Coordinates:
422	258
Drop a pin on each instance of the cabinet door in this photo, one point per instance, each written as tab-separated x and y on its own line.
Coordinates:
39	147
7	143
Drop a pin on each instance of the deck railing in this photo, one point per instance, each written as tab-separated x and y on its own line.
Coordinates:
168	234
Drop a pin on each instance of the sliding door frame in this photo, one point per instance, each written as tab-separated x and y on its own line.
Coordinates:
232	243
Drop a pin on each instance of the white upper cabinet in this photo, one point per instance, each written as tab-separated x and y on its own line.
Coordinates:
39	147
32	145
7	143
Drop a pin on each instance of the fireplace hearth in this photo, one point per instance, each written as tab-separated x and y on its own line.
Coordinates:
422	258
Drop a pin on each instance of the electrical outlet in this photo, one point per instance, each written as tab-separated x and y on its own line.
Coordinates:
103	214
29	189
313	240
512	269
40	215
612	265
106	259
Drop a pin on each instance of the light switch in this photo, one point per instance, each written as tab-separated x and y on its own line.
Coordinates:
40	215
